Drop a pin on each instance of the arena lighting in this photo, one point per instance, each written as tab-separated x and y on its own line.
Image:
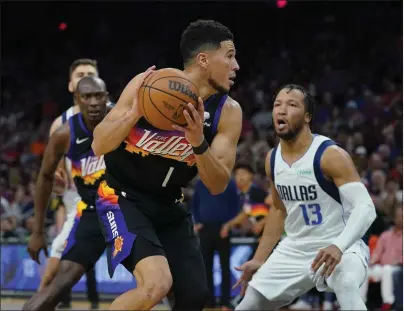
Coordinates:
62	26
281	3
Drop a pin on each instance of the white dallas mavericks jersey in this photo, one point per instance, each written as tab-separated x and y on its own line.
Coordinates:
315	213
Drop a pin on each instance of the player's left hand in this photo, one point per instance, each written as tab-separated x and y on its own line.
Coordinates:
194	129
330	256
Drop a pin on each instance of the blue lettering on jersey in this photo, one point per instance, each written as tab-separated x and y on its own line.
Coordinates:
297	193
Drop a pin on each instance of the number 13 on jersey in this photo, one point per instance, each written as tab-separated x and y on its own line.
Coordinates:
312	214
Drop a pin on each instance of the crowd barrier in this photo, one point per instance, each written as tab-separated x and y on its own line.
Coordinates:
20	276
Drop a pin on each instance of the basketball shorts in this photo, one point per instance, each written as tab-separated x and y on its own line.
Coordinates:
139	227
85	243
287	273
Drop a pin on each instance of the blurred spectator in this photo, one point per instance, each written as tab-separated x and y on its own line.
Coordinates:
253	199
386	259
211	213
9	219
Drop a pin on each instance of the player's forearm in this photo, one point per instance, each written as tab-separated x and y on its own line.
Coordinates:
42	193
361	218
214	174
273	230
108	135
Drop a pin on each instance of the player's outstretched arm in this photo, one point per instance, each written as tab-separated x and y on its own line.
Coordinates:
113	129
338	166
275	222
58	145
216	164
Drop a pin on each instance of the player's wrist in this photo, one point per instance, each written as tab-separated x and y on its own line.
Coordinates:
201	148
339	246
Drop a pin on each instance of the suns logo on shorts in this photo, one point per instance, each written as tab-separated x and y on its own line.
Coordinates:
118	243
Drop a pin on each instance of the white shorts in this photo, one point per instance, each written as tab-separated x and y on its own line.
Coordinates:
70	200
287	273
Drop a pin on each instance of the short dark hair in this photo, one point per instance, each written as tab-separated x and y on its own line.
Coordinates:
82	61
244	166
202	34
309	100
92	81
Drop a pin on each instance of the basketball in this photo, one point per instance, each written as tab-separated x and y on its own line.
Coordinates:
163	97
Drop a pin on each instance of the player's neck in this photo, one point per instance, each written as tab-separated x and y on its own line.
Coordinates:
91	124
205	89
299	144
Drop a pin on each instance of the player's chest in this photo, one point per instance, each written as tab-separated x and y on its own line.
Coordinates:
82	146
147	140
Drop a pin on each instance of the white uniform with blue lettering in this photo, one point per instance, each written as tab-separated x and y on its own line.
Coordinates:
315	218
70	200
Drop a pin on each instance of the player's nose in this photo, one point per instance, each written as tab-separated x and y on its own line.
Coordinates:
236	66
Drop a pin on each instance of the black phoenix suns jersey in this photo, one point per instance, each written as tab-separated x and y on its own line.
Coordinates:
88	170
159	162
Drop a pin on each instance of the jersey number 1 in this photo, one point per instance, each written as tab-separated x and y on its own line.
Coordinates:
314	209
169	173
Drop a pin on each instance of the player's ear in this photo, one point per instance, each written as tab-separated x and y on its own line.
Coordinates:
70	87
308	117
202	59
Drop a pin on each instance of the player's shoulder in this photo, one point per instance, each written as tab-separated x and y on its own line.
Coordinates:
56	124
231	115
268	161
61	134
230	103
335	153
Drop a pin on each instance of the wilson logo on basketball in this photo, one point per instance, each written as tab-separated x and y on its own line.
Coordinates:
165	144
179	87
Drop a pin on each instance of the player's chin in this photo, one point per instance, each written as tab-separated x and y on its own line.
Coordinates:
94	116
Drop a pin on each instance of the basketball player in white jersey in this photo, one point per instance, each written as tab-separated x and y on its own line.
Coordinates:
324	209
78	69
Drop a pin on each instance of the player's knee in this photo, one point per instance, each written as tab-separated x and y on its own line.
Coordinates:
155	289
346	283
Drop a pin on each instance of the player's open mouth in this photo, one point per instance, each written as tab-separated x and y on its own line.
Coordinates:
281	124
231	80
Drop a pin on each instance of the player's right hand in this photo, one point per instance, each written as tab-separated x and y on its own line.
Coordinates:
248	268
139	82
36	243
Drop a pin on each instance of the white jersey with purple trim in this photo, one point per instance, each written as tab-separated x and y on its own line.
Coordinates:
316	216
315	212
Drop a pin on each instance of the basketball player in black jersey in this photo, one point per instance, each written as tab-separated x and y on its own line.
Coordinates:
85	243
146	226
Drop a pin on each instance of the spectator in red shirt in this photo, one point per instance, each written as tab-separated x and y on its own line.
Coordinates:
386	259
